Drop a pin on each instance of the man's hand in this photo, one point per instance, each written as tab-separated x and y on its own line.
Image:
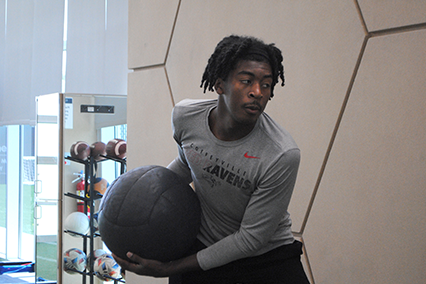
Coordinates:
143	266
154	268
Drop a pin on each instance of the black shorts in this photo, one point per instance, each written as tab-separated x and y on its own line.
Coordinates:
281	265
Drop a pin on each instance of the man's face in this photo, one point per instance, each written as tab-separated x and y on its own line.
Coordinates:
246	91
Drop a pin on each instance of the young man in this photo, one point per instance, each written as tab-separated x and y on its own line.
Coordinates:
244	168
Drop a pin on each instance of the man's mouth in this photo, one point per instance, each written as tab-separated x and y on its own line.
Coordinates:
253	106
253	109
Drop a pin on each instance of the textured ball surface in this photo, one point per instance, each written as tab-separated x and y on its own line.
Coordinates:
74	259
95	254
117	148
101	185
77	222
149	211
97	149
80	150
105	266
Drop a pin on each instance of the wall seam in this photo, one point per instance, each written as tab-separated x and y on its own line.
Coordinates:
167	53
397	30
170	86
334	134
173	31
361	17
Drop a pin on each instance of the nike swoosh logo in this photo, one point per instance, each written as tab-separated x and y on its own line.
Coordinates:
246	155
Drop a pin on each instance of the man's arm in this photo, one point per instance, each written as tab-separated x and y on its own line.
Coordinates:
155	268
181	169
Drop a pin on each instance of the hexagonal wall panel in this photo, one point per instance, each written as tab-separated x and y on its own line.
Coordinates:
320	48
150	138
380	15
150	27
372	194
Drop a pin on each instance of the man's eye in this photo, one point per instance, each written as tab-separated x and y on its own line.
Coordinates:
266	86
245	81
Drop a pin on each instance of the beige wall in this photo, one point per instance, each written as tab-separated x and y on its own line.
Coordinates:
354	101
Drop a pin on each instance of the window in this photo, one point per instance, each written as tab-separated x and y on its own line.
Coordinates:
17	167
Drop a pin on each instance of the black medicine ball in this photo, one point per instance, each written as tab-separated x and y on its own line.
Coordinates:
151	212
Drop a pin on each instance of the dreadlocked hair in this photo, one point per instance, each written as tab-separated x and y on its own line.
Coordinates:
230	50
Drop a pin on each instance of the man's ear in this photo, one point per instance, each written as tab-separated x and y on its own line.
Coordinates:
218	86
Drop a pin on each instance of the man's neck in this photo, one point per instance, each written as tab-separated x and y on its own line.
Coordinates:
226	129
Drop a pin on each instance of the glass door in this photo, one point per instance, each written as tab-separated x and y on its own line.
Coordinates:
3	193
17	200
47	183
88	118
62	120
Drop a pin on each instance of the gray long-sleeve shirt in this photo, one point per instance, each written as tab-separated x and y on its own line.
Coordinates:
244	186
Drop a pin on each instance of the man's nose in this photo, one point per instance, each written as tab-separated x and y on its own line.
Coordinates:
255	91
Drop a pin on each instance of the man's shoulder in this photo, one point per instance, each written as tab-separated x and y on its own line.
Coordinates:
276	133
189	107
196	103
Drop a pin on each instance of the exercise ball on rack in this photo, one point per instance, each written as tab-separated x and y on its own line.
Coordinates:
77	222
151	212
80	150
75	260
117	148
101	185
97	150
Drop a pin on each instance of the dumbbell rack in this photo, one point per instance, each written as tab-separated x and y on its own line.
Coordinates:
90	195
